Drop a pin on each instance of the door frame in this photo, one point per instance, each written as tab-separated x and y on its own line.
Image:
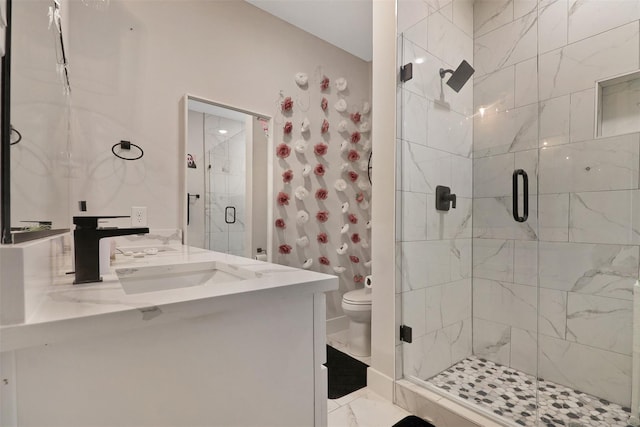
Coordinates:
249	217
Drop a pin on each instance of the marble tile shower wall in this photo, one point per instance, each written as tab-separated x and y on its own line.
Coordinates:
226	186
587	223
435	148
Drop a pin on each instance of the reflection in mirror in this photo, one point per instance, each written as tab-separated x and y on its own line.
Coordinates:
40	113
129	63
226	152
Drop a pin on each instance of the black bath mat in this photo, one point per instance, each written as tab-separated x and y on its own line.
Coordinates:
412	421
346	374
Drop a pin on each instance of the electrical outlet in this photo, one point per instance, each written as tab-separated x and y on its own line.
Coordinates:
138	216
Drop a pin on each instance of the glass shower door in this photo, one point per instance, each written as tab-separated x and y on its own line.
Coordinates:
434	242
226	184
467	274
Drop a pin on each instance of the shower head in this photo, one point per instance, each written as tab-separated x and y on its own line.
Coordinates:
458	77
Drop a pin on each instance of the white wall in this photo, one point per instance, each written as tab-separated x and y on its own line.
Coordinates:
381	375
133	61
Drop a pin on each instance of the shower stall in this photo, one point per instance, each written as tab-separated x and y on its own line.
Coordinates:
225	184
218	145
518	303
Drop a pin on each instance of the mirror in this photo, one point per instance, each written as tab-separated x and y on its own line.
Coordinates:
130	64
227	178
39	112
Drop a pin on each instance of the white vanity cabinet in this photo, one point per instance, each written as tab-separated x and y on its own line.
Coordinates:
94	356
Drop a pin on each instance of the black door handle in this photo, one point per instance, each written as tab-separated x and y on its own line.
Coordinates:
231	209
525	194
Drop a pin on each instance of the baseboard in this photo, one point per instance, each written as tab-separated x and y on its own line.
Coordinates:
380	383
337	324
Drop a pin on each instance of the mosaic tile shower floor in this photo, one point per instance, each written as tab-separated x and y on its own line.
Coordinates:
511	394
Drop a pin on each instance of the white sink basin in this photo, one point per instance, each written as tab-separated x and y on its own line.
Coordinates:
136	280
148	250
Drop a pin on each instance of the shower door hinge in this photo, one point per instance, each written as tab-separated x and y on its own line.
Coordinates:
406	72
405	333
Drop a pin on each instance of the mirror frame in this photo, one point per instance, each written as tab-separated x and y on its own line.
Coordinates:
184	120
5	153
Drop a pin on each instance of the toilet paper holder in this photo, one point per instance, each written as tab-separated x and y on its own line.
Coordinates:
261	254
368	282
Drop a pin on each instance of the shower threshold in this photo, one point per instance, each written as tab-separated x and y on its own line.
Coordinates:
511	395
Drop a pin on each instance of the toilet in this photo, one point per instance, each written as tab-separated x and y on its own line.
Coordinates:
357	307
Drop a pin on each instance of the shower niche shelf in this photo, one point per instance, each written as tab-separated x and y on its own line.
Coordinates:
618	105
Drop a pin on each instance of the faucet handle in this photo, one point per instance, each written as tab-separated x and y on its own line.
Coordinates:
452	198
92	221
445	199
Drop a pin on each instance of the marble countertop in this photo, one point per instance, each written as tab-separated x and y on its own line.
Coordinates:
68	311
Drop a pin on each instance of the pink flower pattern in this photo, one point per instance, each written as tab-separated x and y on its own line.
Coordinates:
287	104
280	223
325	126
320	149
324	104
283	151
322	216
355	137
284	249
353	156
353	176
283	198
358	278
354	259
322	194
360	197
288	127
353	219
324	84
355	117
324	260
322	238
355	238
287	176
319	169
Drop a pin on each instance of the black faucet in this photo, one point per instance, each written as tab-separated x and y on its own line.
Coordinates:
86	239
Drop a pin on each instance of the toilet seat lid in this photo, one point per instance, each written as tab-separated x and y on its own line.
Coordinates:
359	296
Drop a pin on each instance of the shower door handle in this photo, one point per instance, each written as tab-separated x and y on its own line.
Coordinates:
525	195
232	210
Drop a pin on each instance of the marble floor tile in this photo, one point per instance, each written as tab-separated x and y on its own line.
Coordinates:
332	405
367	409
